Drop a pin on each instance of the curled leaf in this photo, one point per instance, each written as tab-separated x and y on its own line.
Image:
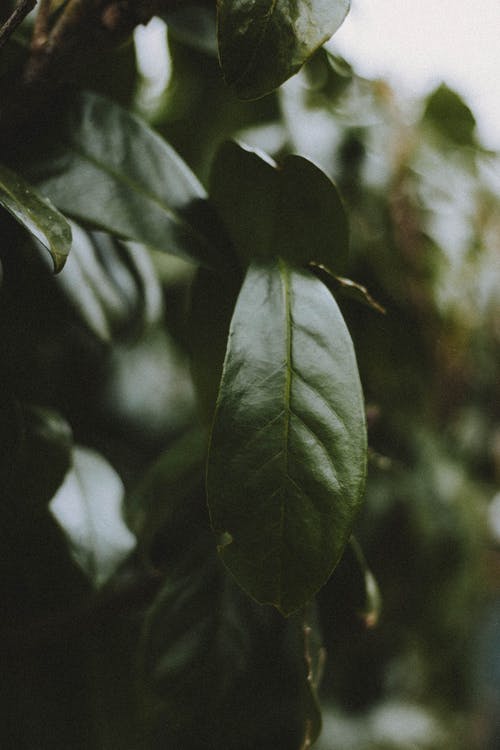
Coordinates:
36	214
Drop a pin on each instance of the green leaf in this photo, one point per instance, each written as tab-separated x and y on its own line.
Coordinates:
36	445
450	116
264	42
287	458
36	572
88	508
207	644
194	25
36	214
196	639
293	211
109	170
111	285
44	455
213	297
161	498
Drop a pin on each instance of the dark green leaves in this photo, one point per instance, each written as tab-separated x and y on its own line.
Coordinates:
36	447
111	284
224	666
450	116
287	458
161	503
293	211
36	214
286	464
109	170
264	42
194	25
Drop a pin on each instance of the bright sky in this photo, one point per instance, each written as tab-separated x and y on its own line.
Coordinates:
419	43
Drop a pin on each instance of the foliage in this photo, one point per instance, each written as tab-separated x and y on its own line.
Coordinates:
183	430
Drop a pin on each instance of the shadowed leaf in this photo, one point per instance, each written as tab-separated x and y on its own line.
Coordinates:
264	42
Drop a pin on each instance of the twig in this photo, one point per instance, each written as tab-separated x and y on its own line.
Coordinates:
84	31
17	16
41	27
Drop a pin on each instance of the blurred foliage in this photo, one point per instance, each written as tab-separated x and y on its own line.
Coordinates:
158	648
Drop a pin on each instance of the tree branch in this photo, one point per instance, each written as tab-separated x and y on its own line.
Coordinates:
17	16
85	30
41	28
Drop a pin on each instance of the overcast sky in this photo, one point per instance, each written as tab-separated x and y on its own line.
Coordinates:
418	43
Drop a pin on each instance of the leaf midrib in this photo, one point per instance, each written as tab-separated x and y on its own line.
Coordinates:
286	403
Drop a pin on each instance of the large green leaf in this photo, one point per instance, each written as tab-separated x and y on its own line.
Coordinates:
287	457
108	169
293	211
36	214
264	42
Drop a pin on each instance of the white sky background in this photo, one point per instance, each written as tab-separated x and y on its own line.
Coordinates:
416	44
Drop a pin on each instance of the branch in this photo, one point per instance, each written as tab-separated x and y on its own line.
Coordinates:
17	16
41	28
85	31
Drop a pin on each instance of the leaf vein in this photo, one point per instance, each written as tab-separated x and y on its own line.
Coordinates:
319	442
320	396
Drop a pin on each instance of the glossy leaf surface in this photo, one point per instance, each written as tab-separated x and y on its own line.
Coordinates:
264	42
36	214
111	285
88	508
109	170
293	211
287	458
